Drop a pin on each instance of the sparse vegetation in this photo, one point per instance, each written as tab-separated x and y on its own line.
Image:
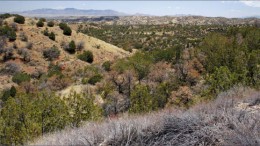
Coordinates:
67	31
19	19
107	66
80	46
71	47
86	56
52	53
11	68
40	23
219	123
42	19
62	26
52	36
11	35
46	32
94	79
21	77
23	37
50	23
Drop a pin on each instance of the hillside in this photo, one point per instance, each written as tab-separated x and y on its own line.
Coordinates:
101	50
232	119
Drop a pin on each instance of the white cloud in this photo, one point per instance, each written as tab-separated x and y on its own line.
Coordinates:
251	3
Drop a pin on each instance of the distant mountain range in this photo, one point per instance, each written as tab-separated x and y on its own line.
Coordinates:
46	12
70	12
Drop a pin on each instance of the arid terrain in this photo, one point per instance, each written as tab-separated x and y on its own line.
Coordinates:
129	80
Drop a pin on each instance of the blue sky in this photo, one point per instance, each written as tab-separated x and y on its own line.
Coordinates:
204	8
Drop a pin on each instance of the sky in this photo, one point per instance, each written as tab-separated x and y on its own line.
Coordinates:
159	8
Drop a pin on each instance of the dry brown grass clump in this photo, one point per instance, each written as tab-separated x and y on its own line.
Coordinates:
222	122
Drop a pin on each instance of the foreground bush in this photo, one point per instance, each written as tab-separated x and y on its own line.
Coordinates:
25	116
218	123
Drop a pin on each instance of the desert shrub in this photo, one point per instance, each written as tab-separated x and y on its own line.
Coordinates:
2	43
19	19
71	48
8	54
62	26
141	64
50	23
54	70
1	22
37	73
141	100
51	53
46	32
11	68
4	30
58	82
8	93
86	56
21	77
47	113
24	54
80	46
221	79
8	32
83	108
13	91
11	35
14	26
42	19
94	79
52	36
107	66
40	23
67	31
6	15
218	123
163	55
23	37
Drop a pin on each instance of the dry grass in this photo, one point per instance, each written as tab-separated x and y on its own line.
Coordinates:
221	122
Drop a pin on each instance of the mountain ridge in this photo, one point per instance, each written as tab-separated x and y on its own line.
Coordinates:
50	12
70	12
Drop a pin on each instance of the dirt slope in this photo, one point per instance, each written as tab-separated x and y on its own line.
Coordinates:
102	51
